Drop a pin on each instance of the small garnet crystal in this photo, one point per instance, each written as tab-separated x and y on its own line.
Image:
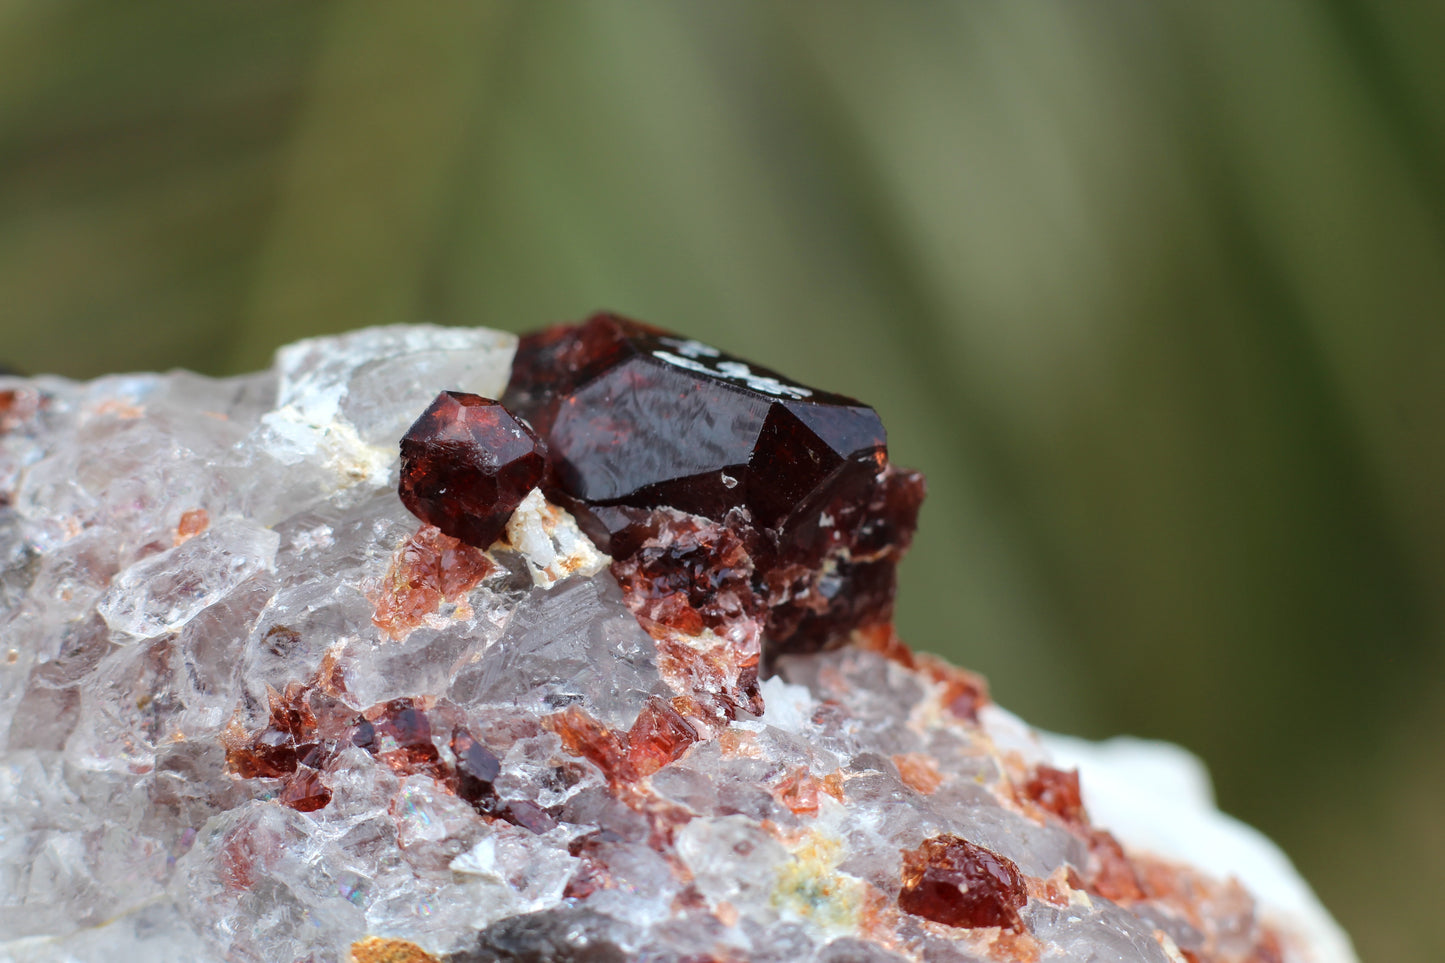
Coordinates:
638	420
950	880
467	463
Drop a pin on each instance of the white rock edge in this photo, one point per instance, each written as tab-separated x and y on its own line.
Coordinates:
548	538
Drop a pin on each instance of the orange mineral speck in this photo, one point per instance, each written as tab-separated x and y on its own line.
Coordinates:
918	772
430	567
1057	791
1055	889
273	751
884	640
116	408
374	949
963	692
799	792
584	736
192	523
1016	947
739	742
659	736
1111	873
305	792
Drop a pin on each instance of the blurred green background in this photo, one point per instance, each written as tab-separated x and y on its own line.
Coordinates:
1152	291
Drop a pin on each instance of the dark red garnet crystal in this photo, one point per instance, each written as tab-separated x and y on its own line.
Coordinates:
466	464
637	420
952	881
635	416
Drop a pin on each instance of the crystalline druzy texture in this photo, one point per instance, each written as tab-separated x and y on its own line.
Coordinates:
646	427
251	709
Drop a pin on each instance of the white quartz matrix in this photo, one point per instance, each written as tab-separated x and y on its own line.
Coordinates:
181	555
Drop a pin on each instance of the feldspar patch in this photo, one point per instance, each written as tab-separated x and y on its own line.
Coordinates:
253	710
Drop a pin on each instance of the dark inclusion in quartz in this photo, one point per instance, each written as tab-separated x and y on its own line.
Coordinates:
466	464
637	420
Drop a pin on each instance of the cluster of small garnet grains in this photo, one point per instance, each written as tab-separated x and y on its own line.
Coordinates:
1219	919
689	581
792	482
466	464
429	568
294	747
309	726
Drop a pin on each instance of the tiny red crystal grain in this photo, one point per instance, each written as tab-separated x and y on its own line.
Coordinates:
305	792
584	736
192	523
953	881
399	734
477	768
658	737
1111	873
467	463
800	791
1057	791
275	750
918	772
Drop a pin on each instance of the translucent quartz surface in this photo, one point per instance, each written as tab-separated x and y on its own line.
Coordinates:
252	710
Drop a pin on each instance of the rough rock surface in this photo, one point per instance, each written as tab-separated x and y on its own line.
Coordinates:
252	710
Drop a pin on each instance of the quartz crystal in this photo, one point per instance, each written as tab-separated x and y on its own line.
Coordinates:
635	699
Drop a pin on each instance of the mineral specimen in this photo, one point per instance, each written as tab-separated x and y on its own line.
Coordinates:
253	710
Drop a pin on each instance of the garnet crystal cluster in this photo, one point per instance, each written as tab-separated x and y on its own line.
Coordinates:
651	434
731	500
253	710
